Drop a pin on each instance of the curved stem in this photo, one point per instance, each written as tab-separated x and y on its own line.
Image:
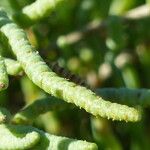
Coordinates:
17	138
36	11
26	137
38	107
44	77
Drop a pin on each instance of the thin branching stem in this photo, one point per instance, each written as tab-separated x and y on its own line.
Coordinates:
38	107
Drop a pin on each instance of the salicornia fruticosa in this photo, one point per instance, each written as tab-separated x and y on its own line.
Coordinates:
107	45
26	137
38	107
36	11
44	77
15	137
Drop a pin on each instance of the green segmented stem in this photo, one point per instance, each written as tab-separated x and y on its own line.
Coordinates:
5	115
25	137
52	142
126	96
13	67
16	138
40	9
36	11
3	75
38	107
64	143
44	77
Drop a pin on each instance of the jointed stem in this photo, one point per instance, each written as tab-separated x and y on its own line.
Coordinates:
26	137
38	107
44	77
36	11
19	137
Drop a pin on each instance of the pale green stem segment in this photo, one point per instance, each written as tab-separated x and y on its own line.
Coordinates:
53	142
5	115
122	95
38	107
36	11
44	77
13	67
3	75
126	96
18	137
64	143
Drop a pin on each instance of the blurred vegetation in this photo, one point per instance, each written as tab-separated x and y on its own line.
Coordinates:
100	42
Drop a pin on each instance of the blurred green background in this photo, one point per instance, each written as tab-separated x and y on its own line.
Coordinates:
105	44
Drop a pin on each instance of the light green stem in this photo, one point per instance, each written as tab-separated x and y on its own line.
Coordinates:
38	107
44	77
13	67
17	137
36	11
122	95
52	142
3	75
126	96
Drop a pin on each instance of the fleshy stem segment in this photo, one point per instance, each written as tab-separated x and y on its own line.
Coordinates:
26	137
36	11
16	137
45	78
38	107
125	96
